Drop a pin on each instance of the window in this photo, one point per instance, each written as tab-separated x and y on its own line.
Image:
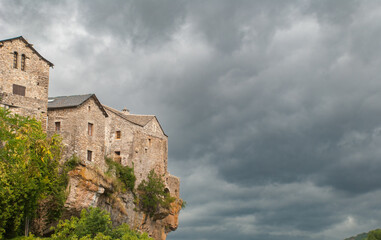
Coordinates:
58	126
23	62
90	129
149	142
117	157
89	155
18	90
118	134
15	57
89	108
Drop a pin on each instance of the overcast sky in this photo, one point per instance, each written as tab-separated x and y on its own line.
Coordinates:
272	108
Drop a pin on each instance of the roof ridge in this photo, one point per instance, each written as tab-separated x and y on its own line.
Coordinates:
90	94
30	46
120	114
143	115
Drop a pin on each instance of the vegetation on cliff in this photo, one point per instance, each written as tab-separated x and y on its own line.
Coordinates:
29	173
153	195
124	174
94	224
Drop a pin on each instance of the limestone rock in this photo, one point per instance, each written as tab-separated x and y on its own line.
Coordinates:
91	188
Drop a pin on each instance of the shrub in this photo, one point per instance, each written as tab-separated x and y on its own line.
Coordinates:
72	163
94	224
125	174
152	194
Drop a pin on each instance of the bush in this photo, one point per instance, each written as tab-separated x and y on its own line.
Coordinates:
125	174
94	224
152	194
72	163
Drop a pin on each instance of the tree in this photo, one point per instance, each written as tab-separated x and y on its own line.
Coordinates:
29	171
152	194
94	224
374	235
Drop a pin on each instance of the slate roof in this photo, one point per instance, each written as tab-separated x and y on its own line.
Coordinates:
140	120
72	102
30	46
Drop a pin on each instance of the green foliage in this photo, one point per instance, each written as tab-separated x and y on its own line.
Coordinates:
29	166
374	235
94	224
72	163
184	204
152	194
125	174
92	221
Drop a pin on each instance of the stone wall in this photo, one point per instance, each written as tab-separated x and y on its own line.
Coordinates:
35	78
143	147
75	133
138	146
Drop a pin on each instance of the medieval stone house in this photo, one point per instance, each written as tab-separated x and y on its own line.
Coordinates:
24	78
89	129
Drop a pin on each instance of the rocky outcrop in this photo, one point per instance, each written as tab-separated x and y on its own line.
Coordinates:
92	188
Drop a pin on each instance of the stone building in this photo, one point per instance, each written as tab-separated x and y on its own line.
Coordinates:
24	77
139	141
80	120
91	131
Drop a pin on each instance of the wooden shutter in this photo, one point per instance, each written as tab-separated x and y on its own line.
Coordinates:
19	90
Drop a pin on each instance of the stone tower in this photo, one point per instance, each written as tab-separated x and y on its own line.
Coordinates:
24	78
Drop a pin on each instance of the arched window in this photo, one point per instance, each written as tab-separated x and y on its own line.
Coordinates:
15	56
23	62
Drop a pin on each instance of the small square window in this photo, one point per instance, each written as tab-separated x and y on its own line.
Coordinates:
118	134
90	129
58	126
89	155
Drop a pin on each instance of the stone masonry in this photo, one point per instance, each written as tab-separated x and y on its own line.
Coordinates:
90	131
24	77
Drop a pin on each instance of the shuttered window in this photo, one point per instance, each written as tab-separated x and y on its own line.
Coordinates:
18	90
23	62
90	129
15	57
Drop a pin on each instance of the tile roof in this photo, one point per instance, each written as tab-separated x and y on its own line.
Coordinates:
72	101
30	46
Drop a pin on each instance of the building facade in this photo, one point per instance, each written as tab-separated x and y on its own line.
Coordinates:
90	130
24	77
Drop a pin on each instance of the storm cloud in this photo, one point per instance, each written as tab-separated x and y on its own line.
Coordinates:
272	107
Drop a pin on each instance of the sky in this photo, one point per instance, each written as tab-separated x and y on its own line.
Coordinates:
272	108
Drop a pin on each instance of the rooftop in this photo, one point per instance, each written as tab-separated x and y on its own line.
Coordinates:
72	102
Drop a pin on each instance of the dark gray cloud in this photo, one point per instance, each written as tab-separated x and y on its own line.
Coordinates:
271	107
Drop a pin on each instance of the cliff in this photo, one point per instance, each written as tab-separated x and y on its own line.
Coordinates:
90	187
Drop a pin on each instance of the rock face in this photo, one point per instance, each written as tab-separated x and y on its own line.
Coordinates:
91	188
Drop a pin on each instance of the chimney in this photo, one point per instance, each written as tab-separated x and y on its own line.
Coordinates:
126	111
